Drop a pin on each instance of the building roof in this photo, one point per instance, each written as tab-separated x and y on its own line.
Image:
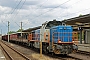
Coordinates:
80	19
83	19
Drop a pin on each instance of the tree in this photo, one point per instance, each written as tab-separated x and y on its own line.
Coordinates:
19	30
80	15
11	32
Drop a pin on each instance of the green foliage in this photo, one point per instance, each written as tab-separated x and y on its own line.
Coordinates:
19	30
12	32
80	15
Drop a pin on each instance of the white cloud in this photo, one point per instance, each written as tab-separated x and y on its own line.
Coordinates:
4	9
36	12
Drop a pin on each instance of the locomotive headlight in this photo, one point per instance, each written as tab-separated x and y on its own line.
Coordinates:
59	41
73	41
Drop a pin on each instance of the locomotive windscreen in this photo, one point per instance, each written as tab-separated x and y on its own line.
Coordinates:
53	23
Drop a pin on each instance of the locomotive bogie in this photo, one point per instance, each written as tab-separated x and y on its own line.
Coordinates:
63	49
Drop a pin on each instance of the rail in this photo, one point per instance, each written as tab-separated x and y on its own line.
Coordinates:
13	50
6	53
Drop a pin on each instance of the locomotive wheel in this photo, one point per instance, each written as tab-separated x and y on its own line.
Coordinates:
45	49
52	53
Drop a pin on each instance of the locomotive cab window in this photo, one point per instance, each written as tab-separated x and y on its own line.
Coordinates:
53	23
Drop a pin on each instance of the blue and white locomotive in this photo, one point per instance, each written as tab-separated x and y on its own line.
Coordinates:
55	37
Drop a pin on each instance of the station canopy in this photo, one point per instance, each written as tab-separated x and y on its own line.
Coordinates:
83	19
80	19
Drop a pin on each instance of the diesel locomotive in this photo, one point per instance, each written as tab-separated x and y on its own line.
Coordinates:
55	36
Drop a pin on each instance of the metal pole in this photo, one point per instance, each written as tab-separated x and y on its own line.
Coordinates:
41	41
80	35
21	31
1	34
8	31
40	48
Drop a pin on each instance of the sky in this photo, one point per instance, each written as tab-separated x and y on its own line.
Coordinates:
33	13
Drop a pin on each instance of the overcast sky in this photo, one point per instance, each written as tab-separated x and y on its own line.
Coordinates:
35	12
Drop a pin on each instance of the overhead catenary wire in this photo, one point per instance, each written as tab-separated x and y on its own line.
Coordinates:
52	9
18	12
11	12
48	11
70	6
36	9
14	10
75	12
24	3
39	7
4	23
19	9
72	13
16	6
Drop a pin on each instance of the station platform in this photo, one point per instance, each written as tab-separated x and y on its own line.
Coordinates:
2	57
84	47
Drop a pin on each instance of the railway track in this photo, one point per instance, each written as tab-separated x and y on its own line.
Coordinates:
73	58
64	57
29	52
83	52
12	53
56	57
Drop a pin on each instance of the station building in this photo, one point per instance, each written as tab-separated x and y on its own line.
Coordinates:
81	24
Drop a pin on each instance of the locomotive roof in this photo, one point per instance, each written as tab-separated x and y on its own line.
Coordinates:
49	22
